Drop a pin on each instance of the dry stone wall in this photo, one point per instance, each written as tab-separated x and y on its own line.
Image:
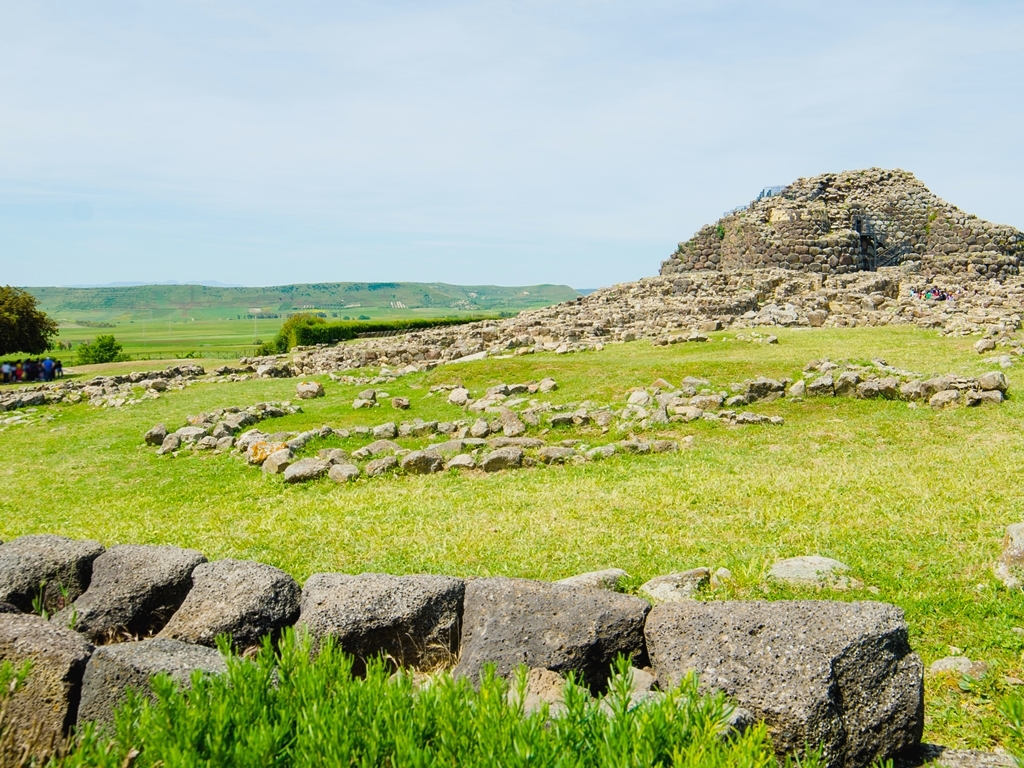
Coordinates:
846	222
147	610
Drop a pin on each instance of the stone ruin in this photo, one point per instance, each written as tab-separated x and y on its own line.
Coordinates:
852	222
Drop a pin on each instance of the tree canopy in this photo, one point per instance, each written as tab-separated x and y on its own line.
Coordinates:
104	349
23	327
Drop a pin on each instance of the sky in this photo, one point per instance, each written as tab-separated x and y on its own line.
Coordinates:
510	143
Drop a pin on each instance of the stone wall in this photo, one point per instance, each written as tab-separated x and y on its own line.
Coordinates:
848	222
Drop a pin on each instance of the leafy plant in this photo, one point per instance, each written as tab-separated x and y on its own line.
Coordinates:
23	327
104	349
720	232
287	708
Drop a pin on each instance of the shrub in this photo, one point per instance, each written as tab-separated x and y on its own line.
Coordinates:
23	327
104	349
286	709
306	330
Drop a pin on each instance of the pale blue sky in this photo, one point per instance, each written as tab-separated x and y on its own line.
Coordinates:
474	142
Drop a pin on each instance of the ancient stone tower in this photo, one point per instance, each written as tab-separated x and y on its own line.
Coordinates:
849	222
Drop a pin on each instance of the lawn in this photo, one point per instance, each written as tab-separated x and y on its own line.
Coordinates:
914	500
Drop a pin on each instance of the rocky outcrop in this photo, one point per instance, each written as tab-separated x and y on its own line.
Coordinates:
838	223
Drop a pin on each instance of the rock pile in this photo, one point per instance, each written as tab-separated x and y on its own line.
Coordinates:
106	391
856	693
215	430
846	222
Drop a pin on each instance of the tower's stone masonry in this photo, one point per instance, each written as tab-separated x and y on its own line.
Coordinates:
850	222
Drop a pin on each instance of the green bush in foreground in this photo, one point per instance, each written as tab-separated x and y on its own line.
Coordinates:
285	709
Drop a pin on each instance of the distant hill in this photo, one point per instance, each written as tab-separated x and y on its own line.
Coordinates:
209	302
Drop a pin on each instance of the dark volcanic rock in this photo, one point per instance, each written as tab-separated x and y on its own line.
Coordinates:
563	628
44	563
838	675
113	668
49	699
413	619
134	589
247	600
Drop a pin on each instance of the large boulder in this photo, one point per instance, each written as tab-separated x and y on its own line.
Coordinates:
308	390
45	566
304	470
502	458
413	619
114	668
134	589
509	622
244	599
836	675
48	702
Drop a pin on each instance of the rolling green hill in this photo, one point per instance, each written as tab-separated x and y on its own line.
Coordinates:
168	321
109	304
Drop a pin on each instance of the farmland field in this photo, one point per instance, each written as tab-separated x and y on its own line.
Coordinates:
913	499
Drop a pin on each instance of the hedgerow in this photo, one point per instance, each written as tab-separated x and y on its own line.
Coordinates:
308	329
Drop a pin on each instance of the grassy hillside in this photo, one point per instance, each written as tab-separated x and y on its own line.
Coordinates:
163	321
914	500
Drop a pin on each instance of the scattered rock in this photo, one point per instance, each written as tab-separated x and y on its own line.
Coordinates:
461	461
676	587
278	461
400	403
960	665
459	396
304	470
343	473
945	398
422	463
502	458
308	390
379	466
610	578
170	444
156	435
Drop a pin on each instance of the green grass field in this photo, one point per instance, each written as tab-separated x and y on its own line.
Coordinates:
914	500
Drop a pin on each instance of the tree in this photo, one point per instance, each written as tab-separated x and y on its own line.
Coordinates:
104	349
23	327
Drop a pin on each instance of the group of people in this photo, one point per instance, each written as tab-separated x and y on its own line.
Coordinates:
47	369
934	294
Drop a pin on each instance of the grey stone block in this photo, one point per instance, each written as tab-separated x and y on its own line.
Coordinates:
244	599
509	622
134	589
413	619
837	675
115	668
42	564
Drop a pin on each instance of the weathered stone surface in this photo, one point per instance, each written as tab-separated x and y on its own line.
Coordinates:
422	463
413	619
134	589
278	461
386	431
462	461
562	628
838	675
945	398
309	390
960	665
992	380
156	435
304	470
555	454
114	668
502	458
610	578
459	396
511	425
400	403
243	598
170	444
41	565
343	473
543	688
380	466
808	570
676	587
49	699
